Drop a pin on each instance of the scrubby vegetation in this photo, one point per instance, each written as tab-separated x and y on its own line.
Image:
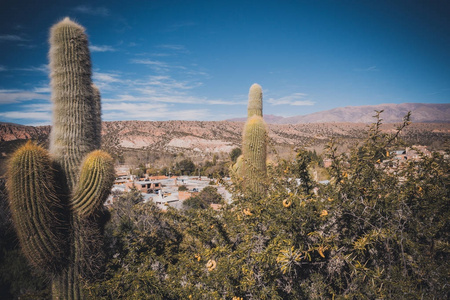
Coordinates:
374	232
377	230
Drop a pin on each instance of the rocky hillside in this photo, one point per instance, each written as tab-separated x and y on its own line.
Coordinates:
11	132
223	136
420	112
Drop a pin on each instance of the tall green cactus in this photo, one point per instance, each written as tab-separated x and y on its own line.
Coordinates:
254	143
56	198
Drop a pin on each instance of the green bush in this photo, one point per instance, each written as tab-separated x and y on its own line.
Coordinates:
182	188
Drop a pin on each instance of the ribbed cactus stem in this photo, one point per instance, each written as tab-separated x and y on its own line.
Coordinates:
254	149
37	213
96	176
255	104
74	122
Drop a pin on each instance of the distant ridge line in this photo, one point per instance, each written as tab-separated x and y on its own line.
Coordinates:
392	113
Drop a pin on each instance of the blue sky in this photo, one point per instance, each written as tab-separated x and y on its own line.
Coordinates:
196	60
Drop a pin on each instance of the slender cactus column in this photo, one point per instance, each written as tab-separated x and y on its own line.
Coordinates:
254	143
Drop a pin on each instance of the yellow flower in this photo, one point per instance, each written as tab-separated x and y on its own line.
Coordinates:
247	212
198	257
323	213
211	264
320	250
212	226
330	199
287	203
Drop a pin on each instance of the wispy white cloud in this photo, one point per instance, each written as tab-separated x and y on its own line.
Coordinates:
29	115
369	69
180	49
41	68
35	114
156	97
89	10
101	48
15	96
106	77
159	66
295	99
12	38
147	111
150	63
106	81
172	47
42	89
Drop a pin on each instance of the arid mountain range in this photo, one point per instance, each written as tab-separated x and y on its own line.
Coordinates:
206	137
223	136
420	112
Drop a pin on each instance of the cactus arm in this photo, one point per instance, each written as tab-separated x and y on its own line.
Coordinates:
236	169
94	185
37	214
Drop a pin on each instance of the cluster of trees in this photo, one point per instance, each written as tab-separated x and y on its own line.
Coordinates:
186	166
373	232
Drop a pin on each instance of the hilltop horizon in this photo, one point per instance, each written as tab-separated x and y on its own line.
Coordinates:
392	113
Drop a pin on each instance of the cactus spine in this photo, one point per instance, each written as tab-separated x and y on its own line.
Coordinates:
254	142
56	199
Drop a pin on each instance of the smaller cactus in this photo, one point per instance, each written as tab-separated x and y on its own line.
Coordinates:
254	153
